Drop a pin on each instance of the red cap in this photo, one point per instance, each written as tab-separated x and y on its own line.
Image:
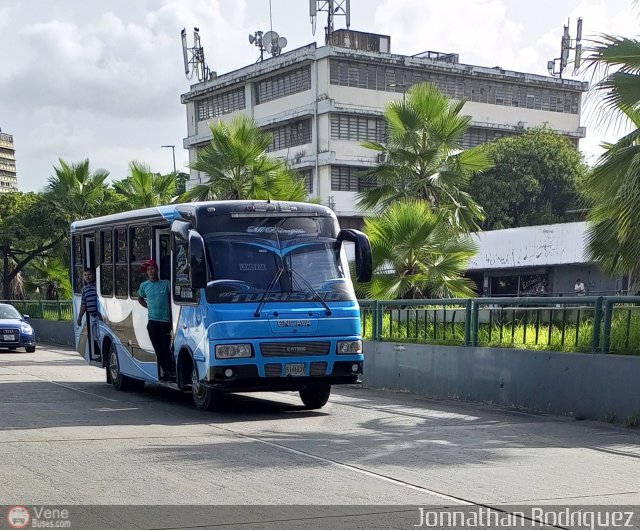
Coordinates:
149	263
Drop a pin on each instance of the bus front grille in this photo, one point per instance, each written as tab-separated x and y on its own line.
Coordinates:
292	349
273	370
317	368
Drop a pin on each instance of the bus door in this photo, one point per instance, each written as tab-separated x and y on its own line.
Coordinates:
89	262
163	252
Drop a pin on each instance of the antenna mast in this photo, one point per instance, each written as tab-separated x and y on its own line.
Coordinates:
193	58
333	8
556	66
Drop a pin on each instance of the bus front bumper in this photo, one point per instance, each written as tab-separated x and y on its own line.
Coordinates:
245	378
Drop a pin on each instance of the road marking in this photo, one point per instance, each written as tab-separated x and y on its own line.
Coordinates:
69	387
350	467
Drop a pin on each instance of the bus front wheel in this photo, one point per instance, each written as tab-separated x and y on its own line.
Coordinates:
315	396
204	398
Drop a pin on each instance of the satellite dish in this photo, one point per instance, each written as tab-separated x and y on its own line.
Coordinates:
269	39
282	42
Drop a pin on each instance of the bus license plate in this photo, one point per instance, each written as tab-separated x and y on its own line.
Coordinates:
9	338
294	370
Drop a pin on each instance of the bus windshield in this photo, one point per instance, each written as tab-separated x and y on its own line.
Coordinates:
304	251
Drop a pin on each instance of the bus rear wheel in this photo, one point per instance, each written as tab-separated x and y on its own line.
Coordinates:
315	396
118	380
204	398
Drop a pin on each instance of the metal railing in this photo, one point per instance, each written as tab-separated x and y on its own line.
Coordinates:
44	309
597	324
574	324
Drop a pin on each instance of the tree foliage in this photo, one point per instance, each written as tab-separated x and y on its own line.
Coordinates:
424	157
143	188
417	254
25	235
239	167
613	187
536	179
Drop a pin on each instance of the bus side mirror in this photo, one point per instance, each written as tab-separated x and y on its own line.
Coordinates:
197	261
364	261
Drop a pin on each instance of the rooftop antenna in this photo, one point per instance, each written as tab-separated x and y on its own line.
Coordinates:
333	8
193	57
268	41
557	66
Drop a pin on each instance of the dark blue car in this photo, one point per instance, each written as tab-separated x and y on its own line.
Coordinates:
15	330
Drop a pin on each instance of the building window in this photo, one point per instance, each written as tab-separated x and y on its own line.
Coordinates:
290	134
220	104
281	85
477	136
307	175
348	178
392	79
359	128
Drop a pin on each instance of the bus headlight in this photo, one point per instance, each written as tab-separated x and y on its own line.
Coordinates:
346	347
233	351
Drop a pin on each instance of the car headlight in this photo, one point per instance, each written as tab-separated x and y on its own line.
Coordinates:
26	329
233	351
346	347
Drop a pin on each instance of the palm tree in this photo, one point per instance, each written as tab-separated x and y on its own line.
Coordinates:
424	157
144	189
76	191
613	186
416	254
49	276
238	166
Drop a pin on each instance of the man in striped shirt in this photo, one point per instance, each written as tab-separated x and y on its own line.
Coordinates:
89	305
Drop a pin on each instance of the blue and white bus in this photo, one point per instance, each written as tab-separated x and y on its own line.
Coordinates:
262	298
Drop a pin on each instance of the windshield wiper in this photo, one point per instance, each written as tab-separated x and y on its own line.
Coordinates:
316	295
271	285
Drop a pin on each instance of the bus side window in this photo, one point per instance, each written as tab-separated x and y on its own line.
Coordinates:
182	291
121	283
77	264
106	262
140	237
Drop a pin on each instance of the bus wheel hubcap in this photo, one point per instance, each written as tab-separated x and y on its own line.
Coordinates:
195	383
113	364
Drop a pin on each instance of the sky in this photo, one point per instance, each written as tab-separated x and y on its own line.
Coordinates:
102	79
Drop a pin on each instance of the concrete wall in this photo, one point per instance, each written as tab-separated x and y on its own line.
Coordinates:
585	386
54	331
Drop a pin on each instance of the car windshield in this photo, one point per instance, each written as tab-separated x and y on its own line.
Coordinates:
249	262
10	312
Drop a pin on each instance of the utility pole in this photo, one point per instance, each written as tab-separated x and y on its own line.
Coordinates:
173	152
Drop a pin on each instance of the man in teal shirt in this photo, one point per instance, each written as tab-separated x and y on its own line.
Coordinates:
155	295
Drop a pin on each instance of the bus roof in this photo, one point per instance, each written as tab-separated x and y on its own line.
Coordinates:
168	213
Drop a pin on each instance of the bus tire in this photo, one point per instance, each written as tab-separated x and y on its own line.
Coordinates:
204	398
315	396
120	381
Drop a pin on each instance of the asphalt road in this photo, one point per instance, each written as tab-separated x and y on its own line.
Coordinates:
368	457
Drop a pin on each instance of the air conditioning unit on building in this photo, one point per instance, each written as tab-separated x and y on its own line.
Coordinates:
382	157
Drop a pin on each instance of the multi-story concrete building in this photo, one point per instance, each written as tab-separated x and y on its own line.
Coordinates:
320	104
8	177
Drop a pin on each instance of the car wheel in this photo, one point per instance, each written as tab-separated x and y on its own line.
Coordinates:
204	398
118	380
315	396
30	349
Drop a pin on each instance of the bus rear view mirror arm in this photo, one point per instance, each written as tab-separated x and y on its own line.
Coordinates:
364	260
